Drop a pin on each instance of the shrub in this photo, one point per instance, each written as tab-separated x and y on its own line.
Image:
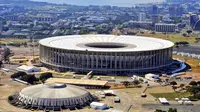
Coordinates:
136	82
125	83
193	83
158	110
173	83
141	80
172	110
10	98
198	82
18	75
31	79
43	77
192	98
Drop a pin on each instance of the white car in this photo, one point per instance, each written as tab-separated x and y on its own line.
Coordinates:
116	100
6	70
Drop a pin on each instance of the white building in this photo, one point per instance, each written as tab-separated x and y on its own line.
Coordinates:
152	77
142	17
98	106
163	100
161	27
53	96
28	69
109	92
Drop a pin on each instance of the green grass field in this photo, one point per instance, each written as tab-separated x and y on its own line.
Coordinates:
173	37
194	63
12	40
171	96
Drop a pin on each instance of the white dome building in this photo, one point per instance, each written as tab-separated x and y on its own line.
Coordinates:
53	97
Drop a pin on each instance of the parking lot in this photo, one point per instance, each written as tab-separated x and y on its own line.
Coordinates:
180	108
192	51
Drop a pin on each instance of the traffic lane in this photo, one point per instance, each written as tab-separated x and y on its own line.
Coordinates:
188	49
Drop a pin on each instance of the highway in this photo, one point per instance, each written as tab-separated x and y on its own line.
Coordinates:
192	49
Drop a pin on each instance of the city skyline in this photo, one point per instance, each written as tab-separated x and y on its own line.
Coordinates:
106	55
124	3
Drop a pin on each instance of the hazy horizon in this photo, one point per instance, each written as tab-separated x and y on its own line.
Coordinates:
125	3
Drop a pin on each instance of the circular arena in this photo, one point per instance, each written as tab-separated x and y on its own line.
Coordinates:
51	96
106	54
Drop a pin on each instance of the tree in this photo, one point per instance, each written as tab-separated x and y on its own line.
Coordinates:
182	85
125	83
31	79
189	32
174	88
184	34
193	83
141	80
194	90
104	28
136	82
18	75
158	110
187	87
198	83
82	19
6	54
172	110
84	31
183	43
10	98
1	63
173	83
166	80
43	77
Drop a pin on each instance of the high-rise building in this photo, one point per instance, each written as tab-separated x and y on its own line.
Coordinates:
193	19
197	26
181	1
156	18
154	9
179	11
142	17
172	11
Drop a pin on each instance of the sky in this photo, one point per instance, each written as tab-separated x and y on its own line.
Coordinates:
126	3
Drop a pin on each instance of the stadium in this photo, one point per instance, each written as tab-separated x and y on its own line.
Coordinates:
106	54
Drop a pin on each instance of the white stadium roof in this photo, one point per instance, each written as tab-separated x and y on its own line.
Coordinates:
118	43
53	90
52	95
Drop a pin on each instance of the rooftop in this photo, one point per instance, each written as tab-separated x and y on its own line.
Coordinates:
50	90
106	43
77	81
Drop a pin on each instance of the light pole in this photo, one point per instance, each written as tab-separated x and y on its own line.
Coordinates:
33	40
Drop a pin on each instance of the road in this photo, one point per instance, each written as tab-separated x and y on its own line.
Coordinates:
192	49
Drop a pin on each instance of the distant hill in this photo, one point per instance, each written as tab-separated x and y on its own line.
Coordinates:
126	3
182	1
22	2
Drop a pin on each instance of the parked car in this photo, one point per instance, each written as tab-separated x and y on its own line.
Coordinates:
143	95
116	100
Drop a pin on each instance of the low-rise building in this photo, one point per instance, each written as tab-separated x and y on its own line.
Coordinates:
161	27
